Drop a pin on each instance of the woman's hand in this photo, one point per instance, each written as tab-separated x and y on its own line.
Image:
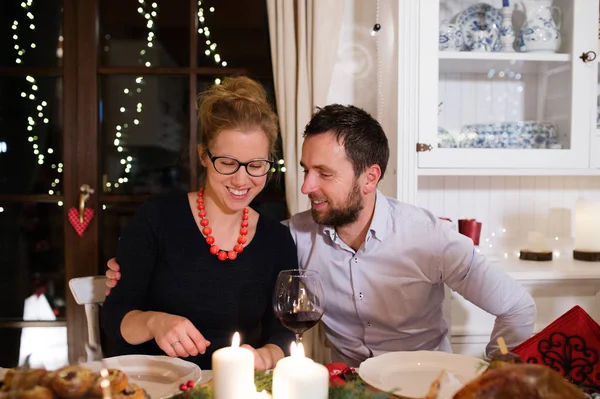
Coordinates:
176	335
259	362
113	274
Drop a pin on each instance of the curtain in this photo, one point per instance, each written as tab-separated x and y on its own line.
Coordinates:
304	39
304	36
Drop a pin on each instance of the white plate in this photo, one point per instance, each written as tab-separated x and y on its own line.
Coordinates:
412	373
479	17
160	376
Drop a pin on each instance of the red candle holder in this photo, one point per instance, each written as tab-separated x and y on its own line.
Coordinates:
470	228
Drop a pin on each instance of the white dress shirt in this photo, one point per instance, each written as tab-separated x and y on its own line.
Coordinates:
388	295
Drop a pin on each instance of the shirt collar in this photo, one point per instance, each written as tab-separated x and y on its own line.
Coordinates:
379	224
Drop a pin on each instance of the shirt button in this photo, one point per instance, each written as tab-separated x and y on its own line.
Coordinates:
360	296
369	324
355	260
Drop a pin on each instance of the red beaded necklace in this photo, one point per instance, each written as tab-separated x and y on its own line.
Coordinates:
210	240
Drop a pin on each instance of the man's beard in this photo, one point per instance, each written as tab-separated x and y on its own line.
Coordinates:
348	214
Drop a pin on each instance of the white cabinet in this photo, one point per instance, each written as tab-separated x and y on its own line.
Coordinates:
495	112
556	90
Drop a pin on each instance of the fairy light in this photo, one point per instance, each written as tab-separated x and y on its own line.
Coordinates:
211	46
149	12
38	116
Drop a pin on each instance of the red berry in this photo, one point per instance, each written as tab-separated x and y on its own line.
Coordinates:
222	255
232	255
190	384
183	387
243	231
204	222
206	231
210	240
214	249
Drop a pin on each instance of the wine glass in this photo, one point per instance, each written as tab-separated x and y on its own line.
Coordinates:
298	300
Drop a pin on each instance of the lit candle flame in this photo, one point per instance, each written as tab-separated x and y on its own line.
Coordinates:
235	342
297	350
105	384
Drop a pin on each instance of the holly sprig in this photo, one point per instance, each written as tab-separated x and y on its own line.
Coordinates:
354	389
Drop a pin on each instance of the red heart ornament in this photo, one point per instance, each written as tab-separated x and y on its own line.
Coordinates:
79	227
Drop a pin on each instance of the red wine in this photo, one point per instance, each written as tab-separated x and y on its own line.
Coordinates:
300	321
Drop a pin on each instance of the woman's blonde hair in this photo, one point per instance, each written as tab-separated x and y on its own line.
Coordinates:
237	103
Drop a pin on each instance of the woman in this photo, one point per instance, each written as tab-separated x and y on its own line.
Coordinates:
197	267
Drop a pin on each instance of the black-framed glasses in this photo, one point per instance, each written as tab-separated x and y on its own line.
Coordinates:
229	165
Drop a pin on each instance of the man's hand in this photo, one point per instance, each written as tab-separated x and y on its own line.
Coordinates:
259	361
176	335
112	274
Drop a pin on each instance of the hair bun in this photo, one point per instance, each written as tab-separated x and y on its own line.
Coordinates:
245	88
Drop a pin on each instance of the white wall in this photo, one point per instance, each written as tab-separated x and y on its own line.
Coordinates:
510	206
365	73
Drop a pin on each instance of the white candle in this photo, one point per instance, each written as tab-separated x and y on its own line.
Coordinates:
298	377
587	226
537	242
233	371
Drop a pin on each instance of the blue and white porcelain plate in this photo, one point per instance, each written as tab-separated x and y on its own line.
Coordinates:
479	17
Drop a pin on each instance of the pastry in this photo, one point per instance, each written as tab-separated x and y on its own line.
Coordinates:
19	378
37	392
118	382
131	392
72	382
46	380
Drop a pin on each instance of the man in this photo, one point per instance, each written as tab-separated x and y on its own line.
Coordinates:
384	263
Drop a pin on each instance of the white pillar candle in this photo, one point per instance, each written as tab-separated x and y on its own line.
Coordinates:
233	371
298	377
537	242
587	226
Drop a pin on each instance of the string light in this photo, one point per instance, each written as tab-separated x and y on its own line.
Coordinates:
211	46
148	11
39	117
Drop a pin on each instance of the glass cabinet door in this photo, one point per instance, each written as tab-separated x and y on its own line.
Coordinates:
510	78
595	141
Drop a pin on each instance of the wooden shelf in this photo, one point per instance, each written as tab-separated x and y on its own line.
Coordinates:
484	62
505	172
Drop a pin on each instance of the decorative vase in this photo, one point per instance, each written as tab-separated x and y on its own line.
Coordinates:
507	32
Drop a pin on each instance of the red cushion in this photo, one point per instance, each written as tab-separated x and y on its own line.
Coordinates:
569	345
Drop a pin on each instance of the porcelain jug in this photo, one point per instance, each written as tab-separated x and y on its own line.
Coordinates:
541	32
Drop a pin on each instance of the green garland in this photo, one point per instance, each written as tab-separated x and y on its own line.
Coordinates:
354	389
